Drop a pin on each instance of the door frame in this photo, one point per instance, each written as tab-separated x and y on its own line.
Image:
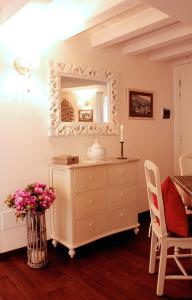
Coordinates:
177	70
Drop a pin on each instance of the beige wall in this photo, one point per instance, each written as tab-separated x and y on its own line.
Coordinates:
26	150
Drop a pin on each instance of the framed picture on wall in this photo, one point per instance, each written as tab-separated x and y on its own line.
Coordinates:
140	104
85	115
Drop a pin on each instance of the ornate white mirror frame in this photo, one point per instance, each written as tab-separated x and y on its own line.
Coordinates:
58	128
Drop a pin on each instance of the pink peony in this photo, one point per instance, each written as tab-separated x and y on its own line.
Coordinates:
38	190
36	197
20	193
40	185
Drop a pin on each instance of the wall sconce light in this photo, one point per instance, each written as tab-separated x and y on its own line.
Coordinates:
25	66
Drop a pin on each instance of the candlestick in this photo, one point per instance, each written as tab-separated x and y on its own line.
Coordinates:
122	157
121	133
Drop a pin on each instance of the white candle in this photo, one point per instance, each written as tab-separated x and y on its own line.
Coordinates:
121	132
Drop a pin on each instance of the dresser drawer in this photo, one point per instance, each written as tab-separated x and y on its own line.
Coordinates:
89	178
87	203
123	217
89	228
121	195
123	173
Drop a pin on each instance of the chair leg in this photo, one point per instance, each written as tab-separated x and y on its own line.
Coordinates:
152	260
162	268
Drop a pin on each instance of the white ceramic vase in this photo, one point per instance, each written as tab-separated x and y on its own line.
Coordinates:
96	152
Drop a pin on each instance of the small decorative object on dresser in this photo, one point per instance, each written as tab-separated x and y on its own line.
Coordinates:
93	201
65	159
96	152
32	203
121	142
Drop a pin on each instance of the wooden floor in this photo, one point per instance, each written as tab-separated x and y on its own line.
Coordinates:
114	268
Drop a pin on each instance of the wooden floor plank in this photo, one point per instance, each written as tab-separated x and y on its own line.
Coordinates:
8	290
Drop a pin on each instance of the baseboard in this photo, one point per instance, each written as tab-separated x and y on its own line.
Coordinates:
18	251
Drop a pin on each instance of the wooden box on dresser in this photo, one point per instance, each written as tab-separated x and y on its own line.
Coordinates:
93	200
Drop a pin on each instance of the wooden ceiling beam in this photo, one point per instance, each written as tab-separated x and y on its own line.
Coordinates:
159	38
141	22
112	12
172	51
105	15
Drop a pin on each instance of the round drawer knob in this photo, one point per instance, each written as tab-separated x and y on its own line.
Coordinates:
122	194
122	214
91	201
90	224
90	177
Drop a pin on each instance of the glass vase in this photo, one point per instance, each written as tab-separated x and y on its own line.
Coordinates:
36	239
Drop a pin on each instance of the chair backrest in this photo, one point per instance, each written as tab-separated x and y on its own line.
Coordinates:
185	164
154	193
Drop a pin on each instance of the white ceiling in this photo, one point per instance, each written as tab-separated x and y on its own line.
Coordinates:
161	29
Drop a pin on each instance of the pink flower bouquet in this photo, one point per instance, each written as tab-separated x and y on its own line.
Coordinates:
35	197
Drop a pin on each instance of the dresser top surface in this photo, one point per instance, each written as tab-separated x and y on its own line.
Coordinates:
89	163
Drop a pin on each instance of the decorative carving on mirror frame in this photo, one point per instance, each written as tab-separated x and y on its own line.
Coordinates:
58	128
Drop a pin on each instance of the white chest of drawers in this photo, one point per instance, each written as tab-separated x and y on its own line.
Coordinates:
93	201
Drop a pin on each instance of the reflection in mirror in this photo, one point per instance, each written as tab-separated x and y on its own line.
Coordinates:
83	100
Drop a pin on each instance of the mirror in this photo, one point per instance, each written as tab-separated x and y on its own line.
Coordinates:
83	100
